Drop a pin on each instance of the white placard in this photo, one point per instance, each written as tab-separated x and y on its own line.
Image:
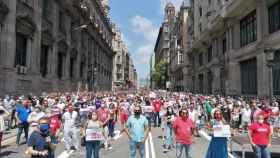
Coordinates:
147	109
221	131
94	134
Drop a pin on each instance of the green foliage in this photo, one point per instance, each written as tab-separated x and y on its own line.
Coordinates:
159	74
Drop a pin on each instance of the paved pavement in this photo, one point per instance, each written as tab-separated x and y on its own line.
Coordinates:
119	149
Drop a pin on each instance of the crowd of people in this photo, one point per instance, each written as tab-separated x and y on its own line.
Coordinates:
89	119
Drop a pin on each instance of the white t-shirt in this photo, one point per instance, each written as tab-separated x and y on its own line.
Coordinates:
192	115
69	119
246	115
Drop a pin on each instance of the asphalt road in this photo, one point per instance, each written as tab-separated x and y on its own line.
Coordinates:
120	148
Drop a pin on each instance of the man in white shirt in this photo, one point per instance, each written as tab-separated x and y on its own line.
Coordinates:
70	128
245	117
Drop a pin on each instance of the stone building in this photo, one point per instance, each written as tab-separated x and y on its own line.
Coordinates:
54	45
235	47
178	48
121	72
162	47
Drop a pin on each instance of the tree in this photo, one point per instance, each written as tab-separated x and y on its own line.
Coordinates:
159	74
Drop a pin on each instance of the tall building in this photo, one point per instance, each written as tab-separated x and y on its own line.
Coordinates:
162	47
179	62
119	61
235	47
54	45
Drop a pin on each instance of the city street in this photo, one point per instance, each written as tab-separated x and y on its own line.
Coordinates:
87	66
120	148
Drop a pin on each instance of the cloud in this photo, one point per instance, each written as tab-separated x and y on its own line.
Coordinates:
145	27
143	53
126	40
176	3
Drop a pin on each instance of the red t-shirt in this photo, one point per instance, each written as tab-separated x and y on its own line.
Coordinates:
103	114
54	124
260	133
183	130
157	105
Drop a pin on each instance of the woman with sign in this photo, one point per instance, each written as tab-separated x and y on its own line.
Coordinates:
93	135
218	145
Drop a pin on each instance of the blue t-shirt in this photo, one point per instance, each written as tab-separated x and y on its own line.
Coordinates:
97	104
137	127
37	142
23	113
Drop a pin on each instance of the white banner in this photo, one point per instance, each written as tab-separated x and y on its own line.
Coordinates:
221	131
94	134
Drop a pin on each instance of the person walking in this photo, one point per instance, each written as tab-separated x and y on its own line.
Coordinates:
39	143
22	112
104	116
218	145
184	129
157	108
70	129
260	136
3	114
169	118
55	125
137	130
34	117
93	134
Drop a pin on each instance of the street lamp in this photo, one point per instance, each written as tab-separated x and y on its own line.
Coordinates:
269	55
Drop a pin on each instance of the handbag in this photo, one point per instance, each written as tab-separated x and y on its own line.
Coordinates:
83	141
83	138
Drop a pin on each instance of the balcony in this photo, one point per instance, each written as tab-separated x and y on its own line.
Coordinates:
119	71
233	8
119	62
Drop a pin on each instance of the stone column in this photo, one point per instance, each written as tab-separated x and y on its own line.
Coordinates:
66	65
216	88
262	23
236	36
29	55
263	76
50	63
8	43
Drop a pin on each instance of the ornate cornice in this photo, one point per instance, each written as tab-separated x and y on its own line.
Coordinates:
25	24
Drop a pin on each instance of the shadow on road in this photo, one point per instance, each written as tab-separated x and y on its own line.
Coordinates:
7	153
251	155
5	146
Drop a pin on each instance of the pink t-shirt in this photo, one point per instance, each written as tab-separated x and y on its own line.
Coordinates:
183	130
260	133
103	114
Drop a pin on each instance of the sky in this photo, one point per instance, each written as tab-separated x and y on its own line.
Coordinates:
139	22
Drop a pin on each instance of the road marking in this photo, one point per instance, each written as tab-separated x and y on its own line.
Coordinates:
206	136
65	154
118	135
152	145
147	152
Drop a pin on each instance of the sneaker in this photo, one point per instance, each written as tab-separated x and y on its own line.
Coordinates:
165	150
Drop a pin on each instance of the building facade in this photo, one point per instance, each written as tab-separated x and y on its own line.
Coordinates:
53	45
235	47
162	47
178	47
